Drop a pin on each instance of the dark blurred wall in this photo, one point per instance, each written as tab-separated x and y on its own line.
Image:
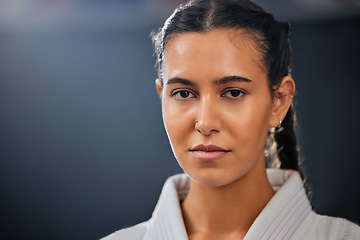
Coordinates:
326	70
82	148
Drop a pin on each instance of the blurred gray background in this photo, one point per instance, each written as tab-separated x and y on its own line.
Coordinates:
82	148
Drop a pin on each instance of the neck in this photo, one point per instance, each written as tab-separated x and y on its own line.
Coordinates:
228	210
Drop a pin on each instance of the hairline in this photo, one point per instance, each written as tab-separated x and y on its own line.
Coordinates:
250	34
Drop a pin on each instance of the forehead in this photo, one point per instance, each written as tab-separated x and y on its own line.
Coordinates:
216	52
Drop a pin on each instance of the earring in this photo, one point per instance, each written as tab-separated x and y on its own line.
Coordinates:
278	127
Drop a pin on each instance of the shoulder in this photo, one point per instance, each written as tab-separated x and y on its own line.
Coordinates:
338	228
166	220
132	233
332	228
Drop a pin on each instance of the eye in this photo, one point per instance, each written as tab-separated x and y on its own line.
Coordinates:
183	94
233	93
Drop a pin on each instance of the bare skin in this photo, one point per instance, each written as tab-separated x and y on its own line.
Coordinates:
215	93
226	212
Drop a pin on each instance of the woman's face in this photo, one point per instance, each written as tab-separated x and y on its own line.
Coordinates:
217	105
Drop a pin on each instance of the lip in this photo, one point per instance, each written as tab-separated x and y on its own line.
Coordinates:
208	152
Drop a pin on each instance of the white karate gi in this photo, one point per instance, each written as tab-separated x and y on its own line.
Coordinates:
288	215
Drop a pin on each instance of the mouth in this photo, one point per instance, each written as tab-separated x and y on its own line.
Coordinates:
208	152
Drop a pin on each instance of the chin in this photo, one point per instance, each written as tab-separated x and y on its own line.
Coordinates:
213	177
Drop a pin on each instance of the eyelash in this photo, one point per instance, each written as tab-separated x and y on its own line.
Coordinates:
189	93
178	92
240	92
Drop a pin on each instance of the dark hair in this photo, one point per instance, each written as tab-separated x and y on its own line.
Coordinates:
271	41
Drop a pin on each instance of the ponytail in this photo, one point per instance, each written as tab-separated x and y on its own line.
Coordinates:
287	154
286	143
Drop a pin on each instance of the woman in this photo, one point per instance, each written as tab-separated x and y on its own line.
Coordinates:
226	92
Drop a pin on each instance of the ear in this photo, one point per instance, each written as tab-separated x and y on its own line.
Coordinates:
159	87
283	97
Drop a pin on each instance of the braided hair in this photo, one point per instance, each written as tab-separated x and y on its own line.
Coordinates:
271	39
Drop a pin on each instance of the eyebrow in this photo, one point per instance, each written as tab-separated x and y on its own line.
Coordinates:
180	80
228	79
220	81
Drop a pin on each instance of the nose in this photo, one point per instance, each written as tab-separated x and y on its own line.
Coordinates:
207	121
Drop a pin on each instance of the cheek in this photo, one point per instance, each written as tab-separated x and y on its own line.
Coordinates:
177	121
249	126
